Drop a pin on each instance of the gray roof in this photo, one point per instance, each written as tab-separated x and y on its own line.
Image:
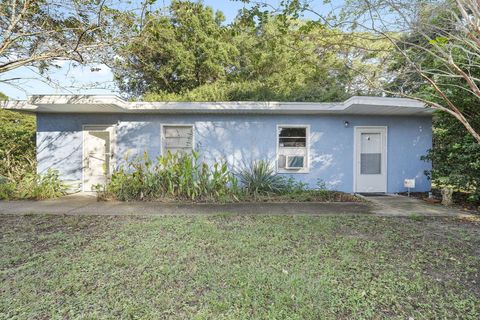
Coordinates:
114	104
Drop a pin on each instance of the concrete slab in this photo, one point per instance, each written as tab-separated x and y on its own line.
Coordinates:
397	205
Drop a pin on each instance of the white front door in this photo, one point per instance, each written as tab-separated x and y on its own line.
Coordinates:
370	159
96	156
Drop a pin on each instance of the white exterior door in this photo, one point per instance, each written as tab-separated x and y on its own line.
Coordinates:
96	156
370	159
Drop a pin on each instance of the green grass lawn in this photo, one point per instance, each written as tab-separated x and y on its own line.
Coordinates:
238	267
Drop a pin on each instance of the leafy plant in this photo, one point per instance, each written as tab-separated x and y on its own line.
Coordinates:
175	175
33	186
259	178
7	190
17	144
183	176
455	155
41	186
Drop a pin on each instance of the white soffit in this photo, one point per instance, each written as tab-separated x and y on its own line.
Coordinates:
114	104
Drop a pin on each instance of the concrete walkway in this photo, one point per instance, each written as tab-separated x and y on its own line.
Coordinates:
88	205
396	205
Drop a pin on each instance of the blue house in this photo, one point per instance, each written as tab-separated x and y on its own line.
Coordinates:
364	144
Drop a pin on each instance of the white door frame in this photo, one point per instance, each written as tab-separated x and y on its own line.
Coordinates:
384	158
98	127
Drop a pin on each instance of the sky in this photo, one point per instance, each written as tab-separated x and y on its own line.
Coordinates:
70	79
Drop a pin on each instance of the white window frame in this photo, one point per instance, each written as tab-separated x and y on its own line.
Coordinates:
306	168
162	134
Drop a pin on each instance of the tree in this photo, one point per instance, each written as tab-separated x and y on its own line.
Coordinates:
285	57
437	61
455	155
17	143
446	31
198	59
37	33
180	49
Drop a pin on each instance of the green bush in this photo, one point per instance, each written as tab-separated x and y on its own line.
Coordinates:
455	155
259	178
7	190
175	176
42	186
17	144
184	177
34	186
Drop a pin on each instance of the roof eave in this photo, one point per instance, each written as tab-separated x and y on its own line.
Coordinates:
113	104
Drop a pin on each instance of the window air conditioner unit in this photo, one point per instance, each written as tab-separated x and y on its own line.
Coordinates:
295	162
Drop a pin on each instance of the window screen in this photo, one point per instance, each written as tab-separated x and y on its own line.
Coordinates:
370	153
292	137
177	138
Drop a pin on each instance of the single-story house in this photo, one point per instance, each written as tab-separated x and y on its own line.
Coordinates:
364	144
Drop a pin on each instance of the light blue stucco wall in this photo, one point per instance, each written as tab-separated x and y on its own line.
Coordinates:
242	138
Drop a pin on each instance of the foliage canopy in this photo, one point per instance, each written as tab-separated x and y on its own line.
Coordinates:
188	54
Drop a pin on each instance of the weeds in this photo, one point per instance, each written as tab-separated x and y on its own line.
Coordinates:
174	175
34	186
416	217
7	190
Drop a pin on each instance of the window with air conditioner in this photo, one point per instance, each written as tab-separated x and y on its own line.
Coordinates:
292	146
177	138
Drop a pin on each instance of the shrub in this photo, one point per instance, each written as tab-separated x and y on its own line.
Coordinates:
293	186
174	175
41	186
7	190
185	177
17	144
33	186
259	178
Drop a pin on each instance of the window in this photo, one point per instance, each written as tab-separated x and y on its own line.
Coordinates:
292	148
292	137
177	138
371	153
